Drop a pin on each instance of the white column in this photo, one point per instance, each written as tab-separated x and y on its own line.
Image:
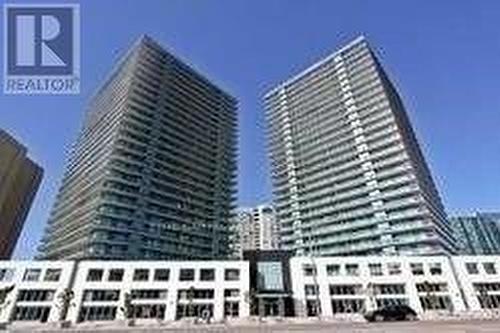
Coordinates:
325	299
171	300
414	300
244	290
8	306
219	303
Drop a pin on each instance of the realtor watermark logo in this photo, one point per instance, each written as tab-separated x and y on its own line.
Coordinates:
42	49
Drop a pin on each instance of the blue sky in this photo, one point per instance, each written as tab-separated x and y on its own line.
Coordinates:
444	57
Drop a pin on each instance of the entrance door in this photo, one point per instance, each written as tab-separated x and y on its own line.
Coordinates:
271	307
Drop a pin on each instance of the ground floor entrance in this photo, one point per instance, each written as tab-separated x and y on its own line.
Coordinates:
274	306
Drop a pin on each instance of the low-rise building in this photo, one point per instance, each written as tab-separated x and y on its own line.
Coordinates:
347	285
265	284
165	290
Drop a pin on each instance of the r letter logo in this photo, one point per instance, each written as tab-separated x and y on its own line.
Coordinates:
42	49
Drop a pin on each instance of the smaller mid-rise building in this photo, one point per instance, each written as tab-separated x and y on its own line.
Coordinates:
255	229
478	233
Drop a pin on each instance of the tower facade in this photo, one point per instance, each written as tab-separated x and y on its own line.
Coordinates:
349	176
152	174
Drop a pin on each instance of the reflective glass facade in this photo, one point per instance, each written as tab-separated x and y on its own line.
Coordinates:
477	234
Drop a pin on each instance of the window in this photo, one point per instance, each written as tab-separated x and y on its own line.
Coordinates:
231	309
231	292
162	274
489	268
95	275
375	269
352	269
486	299
471	268
207	274
309	270
390	302
434	302
417	268
32	274
232	274
97	313
332	270
347	305
149	294
435	268
427	287
345	289
141	274
52	275
145	311
186	274
388	289
115	275
489	301
310	290
31	313
194	310
104	295
187	294
487	286
313	308
394	268
35	295
6	274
